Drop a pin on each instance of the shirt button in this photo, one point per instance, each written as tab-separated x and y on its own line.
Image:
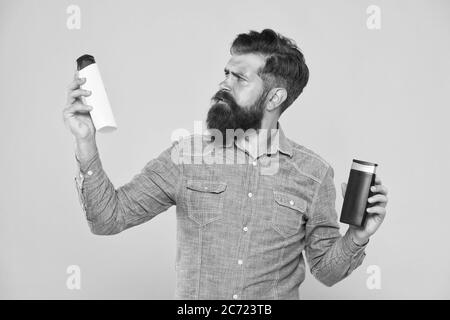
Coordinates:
206	188
250	194
254	163
245	229
81	175
240	262
235	296
89	173
291	203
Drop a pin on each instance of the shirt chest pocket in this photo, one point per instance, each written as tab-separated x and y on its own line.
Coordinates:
205	200
288	213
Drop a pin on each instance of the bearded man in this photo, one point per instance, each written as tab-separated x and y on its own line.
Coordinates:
243	231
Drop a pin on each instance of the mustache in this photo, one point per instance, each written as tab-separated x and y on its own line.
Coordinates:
224	96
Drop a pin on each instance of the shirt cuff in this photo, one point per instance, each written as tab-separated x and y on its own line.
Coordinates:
89	175
350	247
90	171
90	164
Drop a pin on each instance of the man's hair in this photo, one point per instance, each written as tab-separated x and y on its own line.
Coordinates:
285	65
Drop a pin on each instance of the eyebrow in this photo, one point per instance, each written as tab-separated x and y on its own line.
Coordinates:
236	74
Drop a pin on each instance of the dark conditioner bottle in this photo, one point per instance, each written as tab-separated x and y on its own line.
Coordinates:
362	177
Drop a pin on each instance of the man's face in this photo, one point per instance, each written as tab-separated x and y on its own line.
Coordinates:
240	101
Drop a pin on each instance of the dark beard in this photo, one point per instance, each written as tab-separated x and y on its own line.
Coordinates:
227	114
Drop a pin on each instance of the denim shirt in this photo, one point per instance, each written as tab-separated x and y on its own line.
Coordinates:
245	223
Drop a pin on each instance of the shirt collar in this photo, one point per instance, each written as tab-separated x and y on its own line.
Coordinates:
284	145
279	142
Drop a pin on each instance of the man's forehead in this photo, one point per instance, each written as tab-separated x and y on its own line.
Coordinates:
248	63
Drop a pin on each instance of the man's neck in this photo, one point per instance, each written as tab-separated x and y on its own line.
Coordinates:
269	124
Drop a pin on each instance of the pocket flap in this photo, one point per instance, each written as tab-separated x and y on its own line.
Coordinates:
290	201
206	186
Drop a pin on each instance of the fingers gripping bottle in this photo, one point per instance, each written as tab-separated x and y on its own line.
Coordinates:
362	177
101	112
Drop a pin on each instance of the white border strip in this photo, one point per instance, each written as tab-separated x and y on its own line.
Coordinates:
364	168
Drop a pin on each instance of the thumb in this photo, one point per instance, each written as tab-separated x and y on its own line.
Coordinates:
343	188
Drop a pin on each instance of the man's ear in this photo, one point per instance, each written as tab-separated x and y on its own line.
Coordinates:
276	97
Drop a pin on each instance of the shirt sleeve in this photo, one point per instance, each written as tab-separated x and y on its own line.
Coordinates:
331	256
150	192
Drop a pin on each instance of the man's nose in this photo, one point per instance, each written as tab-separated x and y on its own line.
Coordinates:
224	85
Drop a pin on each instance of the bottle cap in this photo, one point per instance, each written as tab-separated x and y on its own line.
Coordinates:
364	166
84	61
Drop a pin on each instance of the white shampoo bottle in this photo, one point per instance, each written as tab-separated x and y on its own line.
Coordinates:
101	112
